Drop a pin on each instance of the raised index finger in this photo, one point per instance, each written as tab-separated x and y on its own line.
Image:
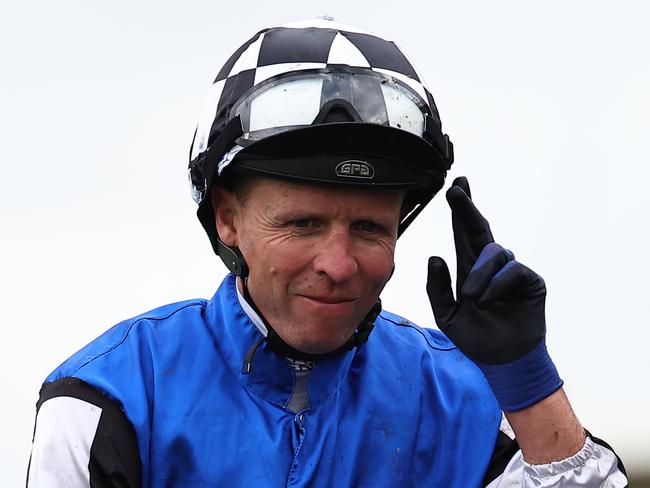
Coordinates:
464	184
471	230
467	219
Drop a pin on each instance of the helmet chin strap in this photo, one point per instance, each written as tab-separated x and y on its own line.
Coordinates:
276	344
233	259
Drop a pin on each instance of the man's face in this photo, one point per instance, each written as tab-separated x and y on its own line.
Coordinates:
318	255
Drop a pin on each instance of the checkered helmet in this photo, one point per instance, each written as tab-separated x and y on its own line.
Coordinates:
320	101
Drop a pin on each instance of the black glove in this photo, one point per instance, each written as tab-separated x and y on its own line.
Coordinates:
498	320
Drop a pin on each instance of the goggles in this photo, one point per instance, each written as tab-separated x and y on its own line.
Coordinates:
303	98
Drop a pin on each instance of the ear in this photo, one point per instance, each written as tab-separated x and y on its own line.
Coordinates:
226	208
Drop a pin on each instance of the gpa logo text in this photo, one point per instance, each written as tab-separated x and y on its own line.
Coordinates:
354	168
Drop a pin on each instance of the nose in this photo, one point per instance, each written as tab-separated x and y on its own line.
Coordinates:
336	258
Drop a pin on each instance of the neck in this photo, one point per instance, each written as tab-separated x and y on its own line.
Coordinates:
279	346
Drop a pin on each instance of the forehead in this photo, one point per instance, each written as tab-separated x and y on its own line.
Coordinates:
278	193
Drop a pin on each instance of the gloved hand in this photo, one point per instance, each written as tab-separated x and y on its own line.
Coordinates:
498	319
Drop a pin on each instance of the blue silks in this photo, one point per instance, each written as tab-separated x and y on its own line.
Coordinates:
405	409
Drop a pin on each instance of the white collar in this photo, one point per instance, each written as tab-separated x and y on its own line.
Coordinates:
252	314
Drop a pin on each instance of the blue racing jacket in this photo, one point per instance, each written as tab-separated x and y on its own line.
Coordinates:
404	409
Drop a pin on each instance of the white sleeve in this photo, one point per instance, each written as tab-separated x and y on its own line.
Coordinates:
64	434
82	439
594	466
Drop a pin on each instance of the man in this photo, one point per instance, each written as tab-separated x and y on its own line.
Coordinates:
318	147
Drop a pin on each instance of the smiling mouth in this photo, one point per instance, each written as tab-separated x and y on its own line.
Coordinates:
329	300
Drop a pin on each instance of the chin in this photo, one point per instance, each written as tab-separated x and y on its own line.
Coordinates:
319	348
315	345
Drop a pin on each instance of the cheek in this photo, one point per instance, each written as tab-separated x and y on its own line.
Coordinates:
378	264
278	263
383	254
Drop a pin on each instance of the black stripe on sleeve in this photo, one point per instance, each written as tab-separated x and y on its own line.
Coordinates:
504	450
601	442
114	455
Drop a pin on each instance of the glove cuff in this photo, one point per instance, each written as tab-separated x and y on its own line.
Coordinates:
523	382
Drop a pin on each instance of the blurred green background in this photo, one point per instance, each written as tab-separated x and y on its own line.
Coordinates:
640	482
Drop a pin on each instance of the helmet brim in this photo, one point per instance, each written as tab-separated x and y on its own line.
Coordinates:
397	158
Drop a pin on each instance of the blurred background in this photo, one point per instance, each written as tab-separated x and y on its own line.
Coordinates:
547	104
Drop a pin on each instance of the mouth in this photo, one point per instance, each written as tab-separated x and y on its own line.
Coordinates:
328	300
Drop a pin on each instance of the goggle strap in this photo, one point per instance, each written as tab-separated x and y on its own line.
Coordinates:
206	163
439	140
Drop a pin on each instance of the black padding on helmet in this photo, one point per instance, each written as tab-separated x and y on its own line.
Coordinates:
413	162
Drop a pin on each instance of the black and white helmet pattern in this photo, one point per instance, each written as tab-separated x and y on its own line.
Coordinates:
304	45
389	90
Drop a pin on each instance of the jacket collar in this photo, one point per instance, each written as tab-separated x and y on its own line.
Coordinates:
271	376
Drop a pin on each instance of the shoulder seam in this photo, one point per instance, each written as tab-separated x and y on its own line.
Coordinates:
419	330
121	341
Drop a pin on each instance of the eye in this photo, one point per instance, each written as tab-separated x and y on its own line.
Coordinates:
368	226
304	224
301	223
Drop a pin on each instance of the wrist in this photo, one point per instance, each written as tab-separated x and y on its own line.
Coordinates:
547	431
523	382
